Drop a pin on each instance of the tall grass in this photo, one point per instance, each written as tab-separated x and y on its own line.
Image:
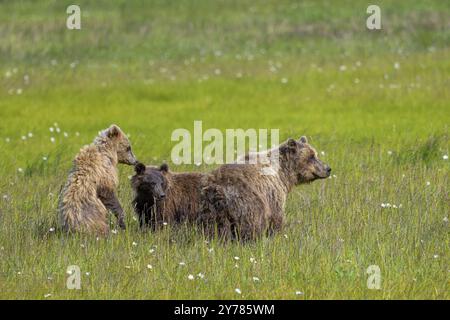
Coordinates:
376	104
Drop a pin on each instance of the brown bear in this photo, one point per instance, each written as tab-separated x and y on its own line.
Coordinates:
243	201
162	196
91	187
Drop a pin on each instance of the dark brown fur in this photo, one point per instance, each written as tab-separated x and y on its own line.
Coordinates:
162	196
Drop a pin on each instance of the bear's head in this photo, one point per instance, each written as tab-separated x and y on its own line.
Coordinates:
302	161
151	182
124	153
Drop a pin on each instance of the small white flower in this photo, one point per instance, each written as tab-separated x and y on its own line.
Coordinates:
134	244
66	134
48	295
8	140
445	219
256	279
190	277
236	258
20	170
182	263
30	135
284	80
436	256
5	197
238	291
24	138
127	267
383	205
51	229
82	245
397	65
285	236
114	231
343	68
298	293
236	266
165	223
44	158
58	130
51	129
52	140
77	134
88	274
201	275
151	250
149	266
252	260
389	152
19	91
210	250
445	157
322	153
428	183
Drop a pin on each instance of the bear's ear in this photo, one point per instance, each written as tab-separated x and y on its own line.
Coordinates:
303	139
289	146
114	131
140	168
292	143
164	167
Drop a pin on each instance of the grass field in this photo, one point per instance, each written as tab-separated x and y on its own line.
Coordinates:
377	103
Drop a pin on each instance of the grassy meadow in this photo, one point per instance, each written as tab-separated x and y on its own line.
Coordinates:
375	104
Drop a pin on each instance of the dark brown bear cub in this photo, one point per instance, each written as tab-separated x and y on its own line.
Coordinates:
162	196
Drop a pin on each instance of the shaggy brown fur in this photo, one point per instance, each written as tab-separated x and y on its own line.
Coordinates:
162	196
91	187
246	200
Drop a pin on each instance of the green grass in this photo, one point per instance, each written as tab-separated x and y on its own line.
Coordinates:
151	69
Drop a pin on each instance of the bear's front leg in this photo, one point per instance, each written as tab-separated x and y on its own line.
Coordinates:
111	202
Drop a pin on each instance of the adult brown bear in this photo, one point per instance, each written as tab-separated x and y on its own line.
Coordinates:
245	201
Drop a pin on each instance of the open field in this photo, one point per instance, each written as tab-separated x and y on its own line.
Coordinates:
377	103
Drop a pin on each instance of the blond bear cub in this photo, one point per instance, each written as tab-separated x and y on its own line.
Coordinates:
90	191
